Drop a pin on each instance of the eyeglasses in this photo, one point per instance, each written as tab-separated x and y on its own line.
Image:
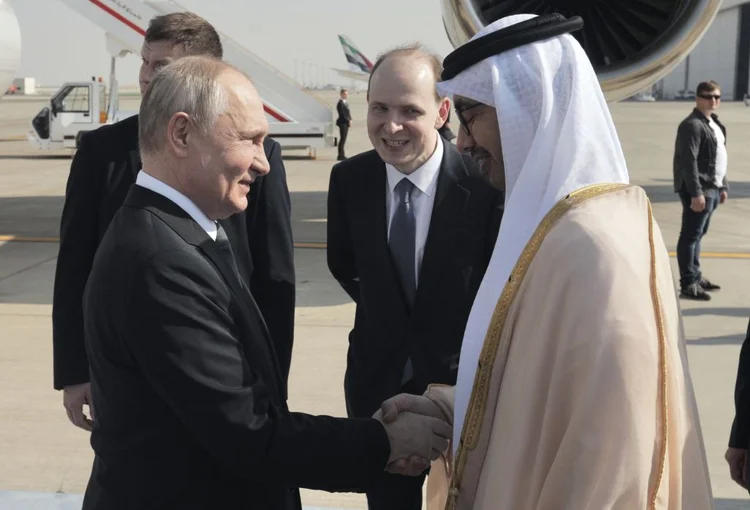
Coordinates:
710	96
461	120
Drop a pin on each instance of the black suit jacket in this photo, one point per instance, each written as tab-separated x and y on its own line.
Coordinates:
189	397
103	170
345	115
463	229
740	435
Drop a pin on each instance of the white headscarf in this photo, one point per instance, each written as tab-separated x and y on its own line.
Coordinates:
557	136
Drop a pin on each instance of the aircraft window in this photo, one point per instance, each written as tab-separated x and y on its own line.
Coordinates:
76	101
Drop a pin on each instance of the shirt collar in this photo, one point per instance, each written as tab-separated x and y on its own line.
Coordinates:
150	182
424	177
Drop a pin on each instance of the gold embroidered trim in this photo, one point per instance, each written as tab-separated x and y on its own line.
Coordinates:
478	400
656	300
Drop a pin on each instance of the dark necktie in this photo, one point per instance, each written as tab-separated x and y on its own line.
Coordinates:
402	242
225	248
401	239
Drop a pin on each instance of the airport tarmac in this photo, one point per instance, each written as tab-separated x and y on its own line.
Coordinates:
41	452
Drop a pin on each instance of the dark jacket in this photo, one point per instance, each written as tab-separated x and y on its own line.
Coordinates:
464	225
345	115
189	397
103	170
694	164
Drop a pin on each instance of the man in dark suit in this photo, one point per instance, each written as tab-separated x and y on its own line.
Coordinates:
189	395
411	229
344	121
103	171
739	438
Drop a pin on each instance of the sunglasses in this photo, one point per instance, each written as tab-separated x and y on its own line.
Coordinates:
460	114
710	96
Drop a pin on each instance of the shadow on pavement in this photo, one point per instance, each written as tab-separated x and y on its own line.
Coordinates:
736	311
736	339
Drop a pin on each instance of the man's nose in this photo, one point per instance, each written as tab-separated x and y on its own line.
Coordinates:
464	142
393	125
260	163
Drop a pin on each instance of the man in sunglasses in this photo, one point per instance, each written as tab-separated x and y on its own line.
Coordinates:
700	179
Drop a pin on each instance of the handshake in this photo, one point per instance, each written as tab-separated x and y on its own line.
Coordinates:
418	430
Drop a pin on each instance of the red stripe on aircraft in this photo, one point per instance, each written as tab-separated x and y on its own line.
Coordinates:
119	16
273	113
270	111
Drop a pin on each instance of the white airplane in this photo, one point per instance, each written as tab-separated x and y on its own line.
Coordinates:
359	65
10	46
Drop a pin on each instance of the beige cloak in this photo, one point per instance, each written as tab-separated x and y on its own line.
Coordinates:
582	398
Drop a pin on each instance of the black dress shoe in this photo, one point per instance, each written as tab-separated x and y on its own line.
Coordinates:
708	285
696	292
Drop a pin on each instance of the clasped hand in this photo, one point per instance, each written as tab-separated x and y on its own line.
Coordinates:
417	431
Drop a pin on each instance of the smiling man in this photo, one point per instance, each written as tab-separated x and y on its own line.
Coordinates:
411	227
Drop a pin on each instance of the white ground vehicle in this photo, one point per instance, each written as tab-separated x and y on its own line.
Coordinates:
74	109
297	120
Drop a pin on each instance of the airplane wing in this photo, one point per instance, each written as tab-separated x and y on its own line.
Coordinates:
355	75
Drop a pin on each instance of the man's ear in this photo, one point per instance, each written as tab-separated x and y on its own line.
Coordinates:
179	130
443	110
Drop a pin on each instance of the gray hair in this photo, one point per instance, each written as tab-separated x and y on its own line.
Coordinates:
190	85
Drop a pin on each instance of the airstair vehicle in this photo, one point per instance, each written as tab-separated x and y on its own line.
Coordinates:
297	120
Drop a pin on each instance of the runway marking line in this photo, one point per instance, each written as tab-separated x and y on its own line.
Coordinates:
313	245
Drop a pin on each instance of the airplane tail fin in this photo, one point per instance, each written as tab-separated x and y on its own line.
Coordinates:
356	59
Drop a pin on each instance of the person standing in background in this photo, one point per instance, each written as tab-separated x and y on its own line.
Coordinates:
344	122
700	179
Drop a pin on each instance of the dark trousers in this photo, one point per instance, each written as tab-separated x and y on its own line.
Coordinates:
694	227
398	492
343	131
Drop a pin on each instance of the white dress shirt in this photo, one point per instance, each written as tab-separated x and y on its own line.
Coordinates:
425	180
147	181
721	154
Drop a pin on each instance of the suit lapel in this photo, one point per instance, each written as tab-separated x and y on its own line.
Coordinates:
451	198
242	292
452	170
374	188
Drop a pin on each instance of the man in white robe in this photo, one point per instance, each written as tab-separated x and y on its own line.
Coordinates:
573	388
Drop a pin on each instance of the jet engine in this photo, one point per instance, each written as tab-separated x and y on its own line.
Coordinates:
631	43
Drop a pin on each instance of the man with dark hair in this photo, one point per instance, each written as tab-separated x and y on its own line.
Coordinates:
186	29
411	229
344	122
103	170
700	179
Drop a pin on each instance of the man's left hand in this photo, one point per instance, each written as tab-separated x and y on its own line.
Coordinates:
723	197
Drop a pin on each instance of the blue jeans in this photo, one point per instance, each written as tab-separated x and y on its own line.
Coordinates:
694	227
